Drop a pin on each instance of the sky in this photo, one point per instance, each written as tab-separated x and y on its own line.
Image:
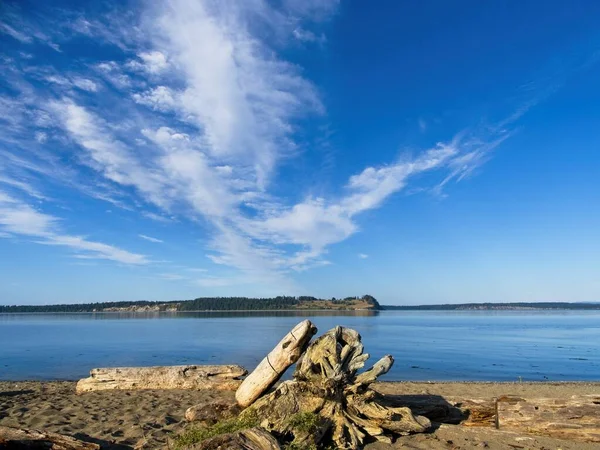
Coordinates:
420	152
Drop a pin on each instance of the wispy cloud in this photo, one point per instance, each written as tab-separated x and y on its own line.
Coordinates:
207	113
363	255
171	276
151	239
20	219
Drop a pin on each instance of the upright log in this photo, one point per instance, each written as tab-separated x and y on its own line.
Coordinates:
224	378
34	439
577	418
272	367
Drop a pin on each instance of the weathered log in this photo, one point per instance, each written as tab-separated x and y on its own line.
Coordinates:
19	438
224	377
250	439
577	418
272	367
330	401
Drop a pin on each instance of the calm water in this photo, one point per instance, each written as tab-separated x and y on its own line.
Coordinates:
478	345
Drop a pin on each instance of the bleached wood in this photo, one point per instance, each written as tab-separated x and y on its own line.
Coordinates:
22	438
344	410
576	418
272	367
222	377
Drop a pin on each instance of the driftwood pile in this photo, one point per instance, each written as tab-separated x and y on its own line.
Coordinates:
326	384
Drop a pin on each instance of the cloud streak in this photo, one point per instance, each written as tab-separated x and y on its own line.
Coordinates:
192	121
20	219
150	239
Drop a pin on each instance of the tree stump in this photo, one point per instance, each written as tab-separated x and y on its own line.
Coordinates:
327	402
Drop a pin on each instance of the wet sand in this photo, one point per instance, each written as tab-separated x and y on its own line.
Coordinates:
149	419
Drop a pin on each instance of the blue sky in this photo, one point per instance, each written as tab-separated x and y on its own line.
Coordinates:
422	152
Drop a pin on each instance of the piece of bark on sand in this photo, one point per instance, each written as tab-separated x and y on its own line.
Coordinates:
20	438
327	388
219	377
273	366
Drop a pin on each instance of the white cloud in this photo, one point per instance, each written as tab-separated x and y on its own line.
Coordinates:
151	239
308	36
160	98
228	111
17	218
112	73
21	185
312	9
247	99
154	61
171	276
156	217
85	84
363	255
22	37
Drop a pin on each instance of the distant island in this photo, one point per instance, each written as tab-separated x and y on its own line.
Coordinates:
281	303
366	302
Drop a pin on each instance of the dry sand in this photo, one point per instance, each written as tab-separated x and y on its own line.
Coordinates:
122	419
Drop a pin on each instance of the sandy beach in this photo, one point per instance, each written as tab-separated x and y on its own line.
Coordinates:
151	418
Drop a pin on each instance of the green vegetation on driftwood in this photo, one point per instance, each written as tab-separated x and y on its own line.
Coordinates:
195	434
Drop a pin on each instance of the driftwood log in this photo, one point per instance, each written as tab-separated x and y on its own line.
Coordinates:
577	418
19	438
326	386
270	369
226	377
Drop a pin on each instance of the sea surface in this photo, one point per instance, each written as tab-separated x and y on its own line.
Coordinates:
429	345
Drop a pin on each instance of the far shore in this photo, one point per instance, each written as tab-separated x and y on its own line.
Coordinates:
326	310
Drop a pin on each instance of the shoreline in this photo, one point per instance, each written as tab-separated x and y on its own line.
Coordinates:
593	383
217	311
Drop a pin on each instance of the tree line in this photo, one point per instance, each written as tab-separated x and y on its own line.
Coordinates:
198	304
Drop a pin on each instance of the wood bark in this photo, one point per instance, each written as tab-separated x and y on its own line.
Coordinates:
224	377
345	410
212	412
19	438
250	439
577	418
272	367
